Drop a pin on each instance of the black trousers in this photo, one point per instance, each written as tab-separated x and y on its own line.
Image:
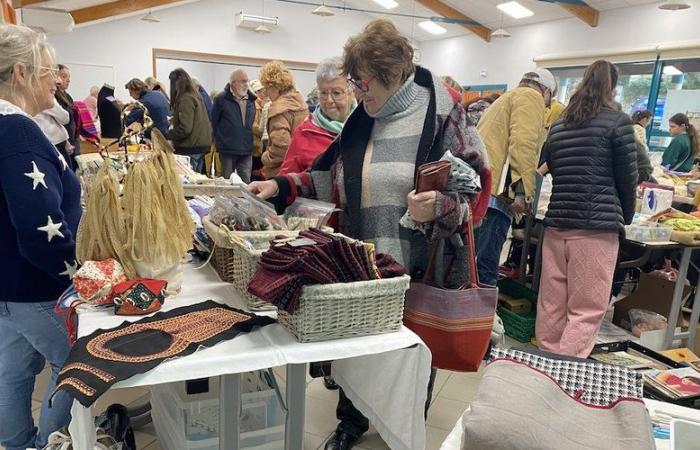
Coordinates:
354	423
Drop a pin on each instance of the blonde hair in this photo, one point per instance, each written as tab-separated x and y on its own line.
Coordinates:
149	226
277	74
20	45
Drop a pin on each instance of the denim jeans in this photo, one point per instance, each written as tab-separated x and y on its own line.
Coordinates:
30	335
197	163
242	165
492	235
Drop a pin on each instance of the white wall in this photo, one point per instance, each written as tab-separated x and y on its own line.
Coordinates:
124	46
506	60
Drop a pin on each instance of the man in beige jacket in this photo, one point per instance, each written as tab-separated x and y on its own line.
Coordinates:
512	130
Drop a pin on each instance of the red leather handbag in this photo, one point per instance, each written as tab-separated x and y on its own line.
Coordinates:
455	324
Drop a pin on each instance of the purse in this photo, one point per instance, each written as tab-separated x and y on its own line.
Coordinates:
433	176
455	324
138	297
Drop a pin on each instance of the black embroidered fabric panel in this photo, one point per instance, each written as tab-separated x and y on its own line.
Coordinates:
106	357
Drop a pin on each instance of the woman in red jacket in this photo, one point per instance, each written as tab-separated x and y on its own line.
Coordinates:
314	136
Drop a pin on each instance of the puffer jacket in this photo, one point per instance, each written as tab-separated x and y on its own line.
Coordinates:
594	173
286	114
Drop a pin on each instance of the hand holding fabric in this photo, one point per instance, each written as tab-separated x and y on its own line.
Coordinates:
422	206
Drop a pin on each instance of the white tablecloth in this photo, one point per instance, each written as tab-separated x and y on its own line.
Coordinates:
385	376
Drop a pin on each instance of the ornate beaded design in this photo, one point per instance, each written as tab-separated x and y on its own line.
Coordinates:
189	328
78	385
102	375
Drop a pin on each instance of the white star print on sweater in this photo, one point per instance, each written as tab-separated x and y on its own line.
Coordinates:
52	229
37	177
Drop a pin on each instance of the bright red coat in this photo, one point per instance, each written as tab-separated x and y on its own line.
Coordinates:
309	141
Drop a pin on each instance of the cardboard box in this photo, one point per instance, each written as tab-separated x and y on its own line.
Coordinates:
653	294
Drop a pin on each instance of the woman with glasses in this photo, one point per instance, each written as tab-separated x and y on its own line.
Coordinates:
407	117
336	102
287	111
39	215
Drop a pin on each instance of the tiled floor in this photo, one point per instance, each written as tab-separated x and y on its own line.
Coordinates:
452	394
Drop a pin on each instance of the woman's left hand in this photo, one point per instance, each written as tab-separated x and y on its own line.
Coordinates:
422	206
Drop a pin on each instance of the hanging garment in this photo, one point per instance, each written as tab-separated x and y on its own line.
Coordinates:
106	357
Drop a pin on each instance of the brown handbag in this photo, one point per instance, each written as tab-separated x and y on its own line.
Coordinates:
455	324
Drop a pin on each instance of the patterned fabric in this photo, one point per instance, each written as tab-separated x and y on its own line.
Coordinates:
592	383
105	357
95	280
86	124
341	174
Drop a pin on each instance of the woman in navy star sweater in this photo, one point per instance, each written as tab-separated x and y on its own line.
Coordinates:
39	214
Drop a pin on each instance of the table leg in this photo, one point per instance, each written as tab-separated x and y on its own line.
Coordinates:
677	297
296	406
694	317
229	411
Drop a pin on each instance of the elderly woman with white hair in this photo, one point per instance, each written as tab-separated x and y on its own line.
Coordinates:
39	215
314	136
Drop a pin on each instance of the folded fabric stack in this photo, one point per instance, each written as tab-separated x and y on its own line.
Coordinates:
316	257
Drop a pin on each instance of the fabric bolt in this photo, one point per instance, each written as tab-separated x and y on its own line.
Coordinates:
242	165
577	273
32	335
492	235
594	173
158	111
39	212
362	154
105	357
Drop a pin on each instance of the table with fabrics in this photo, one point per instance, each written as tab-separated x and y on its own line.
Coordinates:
385	376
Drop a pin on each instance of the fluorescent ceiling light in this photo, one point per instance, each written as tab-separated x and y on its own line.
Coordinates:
515	10
388	4
672	70
432	27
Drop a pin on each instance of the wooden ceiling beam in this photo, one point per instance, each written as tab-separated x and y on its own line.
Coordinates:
24	3
449	12
115	8
585	12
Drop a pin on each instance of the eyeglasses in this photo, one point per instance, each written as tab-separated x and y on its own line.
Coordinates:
335	94
361	85
53	71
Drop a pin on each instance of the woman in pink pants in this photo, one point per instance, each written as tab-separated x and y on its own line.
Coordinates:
591	155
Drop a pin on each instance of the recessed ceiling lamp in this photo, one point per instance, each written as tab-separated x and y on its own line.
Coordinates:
515	10
323	10
674	5
150	18
500	33
432	27
262	29
388	4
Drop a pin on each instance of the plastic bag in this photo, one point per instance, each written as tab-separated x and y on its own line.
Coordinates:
667	272
643	320
245	213
305	213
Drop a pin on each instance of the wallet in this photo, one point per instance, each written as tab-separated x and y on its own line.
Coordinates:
138	296
433	176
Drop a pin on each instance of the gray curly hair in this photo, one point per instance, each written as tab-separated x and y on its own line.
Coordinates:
329	69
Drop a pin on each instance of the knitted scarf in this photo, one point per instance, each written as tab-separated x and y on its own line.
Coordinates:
328	124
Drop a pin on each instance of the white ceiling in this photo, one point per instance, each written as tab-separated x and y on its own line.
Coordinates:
483	11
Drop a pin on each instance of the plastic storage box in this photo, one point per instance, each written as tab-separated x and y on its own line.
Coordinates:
648	233
191	421
518	326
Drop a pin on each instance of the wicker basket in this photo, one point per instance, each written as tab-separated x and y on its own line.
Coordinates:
236	263
344	310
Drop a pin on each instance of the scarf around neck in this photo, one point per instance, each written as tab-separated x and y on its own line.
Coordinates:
328	124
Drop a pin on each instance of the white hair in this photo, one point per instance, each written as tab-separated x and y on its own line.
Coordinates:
329	69
235	72
20	45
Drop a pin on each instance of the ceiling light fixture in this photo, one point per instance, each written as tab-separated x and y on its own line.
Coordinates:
388	4
323	10
515	10
674	5
672	70
150	18
262	28
432	27
500	33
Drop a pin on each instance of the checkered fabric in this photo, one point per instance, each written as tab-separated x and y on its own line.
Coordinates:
592	383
